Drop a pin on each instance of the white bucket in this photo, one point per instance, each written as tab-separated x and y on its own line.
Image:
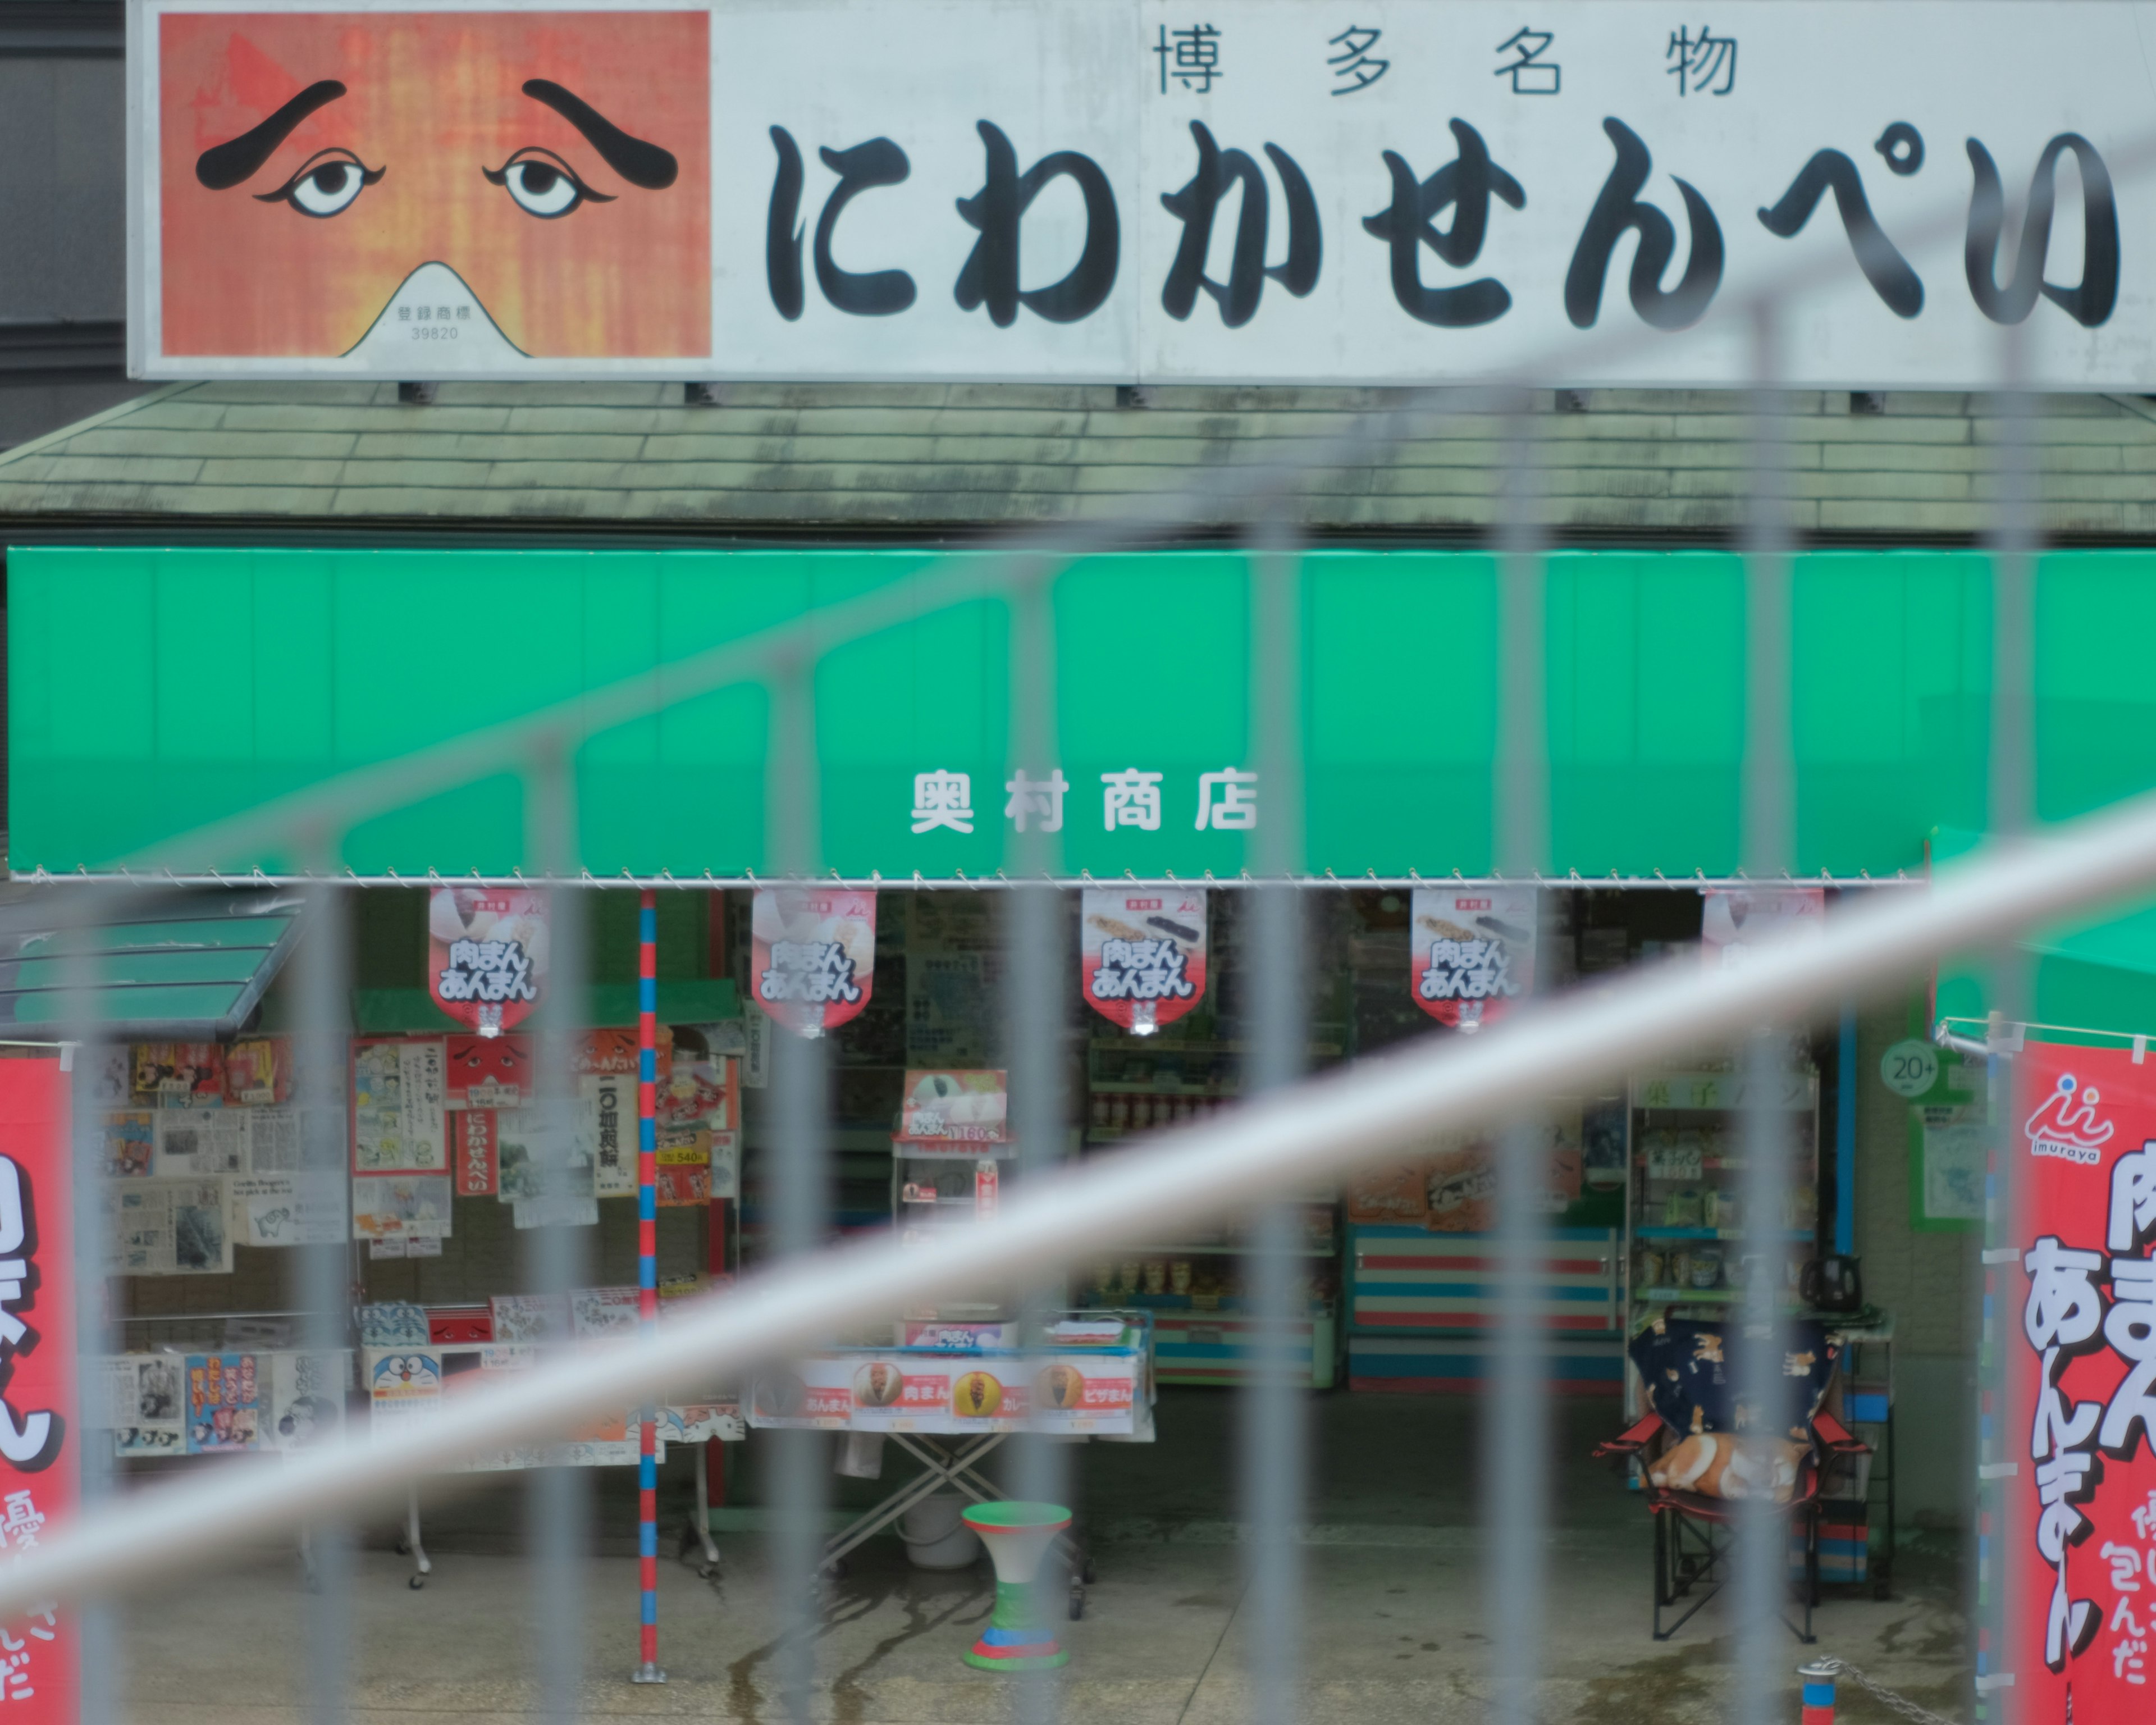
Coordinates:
935	1538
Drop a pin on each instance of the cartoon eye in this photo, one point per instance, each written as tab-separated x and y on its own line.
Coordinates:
542	184
326	184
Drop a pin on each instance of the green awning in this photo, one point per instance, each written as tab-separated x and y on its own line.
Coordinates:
178	972
2098	975
407	1012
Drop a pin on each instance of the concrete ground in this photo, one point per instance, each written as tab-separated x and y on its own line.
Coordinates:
1396	1627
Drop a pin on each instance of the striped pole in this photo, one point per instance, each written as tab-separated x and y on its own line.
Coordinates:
647	1276
1817	1679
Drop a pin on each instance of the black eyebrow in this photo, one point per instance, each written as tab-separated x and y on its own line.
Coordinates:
640	163
228	164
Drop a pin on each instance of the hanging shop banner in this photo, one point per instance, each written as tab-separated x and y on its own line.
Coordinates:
486	954
1735	919
1141	955
814	956
1135	190
2081	1532
40	1455
1472	951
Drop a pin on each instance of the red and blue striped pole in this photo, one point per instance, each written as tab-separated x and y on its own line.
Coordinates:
1818	1680
647	1276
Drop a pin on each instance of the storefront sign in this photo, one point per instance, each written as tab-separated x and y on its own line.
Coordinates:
1644	666
40	1455
814	966
1120	190
1142	956
1473	952
2080	1539
486	954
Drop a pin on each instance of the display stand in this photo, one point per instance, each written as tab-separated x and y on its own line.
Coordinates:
410	1543
912	1396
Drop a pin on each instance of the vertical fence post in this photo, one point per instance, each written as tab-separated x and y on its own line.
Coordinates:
647	1279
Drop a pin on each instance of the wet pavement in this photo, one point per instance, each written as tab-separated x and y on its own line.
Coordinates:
1395	1623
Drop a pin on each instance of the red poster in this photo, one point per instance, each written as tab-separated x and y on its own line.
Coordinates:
1141	955
2081	1535
477	1152
487	1072
814	958
486	954
40	1464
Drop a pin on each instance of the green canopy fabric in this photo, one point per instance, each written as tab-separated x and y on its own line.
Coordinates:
2098	975
194	966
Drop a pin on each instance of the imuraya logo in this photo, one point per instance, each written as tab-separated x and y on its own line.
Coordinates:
2064	1124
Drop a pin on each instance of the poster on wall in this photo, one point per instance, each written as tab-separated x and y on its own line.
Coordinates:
40	1403
2082	1387
813	961
398	1124
165	1227
179	1074
287	1209
1068	191
1141	955
258	1072
1472	951
1736	920
476	1137
487	949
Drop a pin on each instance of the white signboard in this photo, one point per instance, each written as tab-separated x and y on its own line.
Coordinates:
1190	190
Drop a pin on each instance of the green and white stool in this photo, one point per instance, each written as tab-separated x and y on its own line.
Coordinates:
1018	1637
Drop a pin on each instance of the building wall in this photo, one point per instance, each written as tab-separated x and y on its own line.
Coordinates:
63	207
1927	1280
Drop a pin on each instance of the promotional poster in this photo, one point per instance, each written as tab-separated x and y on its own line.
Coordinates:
2080	1540
1141	955
814	962
1473	952
40	1453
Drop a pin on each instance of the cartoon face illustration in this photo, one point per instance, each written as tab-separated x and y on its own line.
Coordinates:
446	190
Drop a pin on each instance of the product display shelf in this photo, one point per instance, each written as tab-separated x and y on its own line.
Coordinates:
1203	1332
1422	1305
1685	1239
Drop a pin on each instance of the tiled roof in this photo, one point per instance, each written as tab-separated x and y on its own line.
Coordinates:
621	455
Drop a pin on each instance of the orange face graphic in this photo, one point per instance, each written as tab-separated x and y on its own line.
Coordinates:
333	177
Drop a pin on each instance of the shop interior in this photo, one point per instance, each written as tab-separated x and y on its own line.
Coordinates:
1396	1331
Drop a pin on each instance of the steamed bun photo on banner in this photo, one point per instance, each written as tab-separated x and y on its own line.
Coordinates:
1141	955
2080	1333
814	961
1471	952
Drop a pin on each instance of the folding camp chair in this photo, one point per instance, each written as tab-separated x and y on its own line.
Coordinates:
1695	1535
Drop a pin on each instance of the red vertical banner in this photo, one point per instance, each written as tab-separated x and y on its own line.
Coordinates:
2080	1542
40	1422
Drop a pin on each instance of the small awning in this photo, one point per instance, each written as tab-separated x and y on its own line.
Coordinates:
192	967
